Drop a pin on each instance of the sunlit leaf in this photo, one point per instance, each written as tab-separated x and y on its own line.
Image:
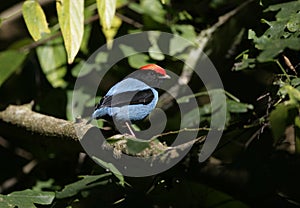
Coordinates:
10	62
71	21
35	19
111	32
106	11
87	182
53	61
26	199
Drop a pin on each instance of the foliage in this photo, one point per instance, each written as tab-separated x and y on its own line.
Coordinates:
260	113
26	198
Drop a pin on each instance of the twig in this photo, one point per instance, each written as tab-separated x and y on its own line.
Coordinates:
181	130
129	20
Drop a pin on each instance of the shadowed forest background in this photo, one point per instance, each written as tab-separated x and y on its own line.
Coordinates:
255	47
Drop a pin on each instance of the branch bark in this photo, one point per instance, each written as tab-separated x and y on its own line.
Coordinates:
26	127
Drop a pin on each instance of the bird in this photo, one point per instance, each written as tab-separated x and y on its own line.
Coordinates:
133	98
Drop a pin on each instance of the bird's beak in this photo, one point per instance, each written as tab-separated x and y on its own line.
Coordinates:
164	77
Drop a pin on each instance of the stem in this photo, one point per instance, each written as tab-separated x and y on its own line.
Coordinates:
283	71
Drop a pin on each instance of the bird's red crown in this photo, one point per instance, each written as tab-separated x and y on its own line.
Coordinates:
155	68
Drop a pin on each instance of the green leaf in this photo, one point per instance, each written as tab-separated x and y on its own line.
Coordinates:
111	168
154	9
53	61
179	45
297	134
282	33
35	19
295	82
138	60
237	107
111	32
76	104
135	59
71	21
84	47
294	94
87	182
26	199
10	62
40	185
154	51
282	116
106	11
219	108
135	145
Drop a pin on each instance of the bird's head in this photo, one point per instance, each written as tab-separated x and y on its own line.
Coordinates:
160	72
151	74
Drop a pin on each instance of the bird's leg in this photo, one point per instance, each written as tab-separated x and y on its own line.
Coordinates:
130	129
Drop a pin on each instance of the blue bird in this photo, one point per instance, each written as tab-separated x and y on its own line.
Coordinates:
133	98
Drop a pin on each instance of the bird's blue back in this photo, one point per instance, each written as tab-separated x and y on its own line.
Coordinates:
132	112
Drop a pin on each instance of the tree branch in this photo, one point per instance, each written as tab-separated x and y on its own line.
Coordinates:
23	124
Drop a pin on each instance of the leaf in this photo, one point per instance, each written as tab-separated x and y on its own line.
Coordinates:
154	51
295	82
106	11
26	199
35	19
154	10
179	45
218	109
282	116
53	60
10	62
237	107
282	33
294	94
84	47
71	21
111	32
135	59
111	168
297	134
87	182
76	103
40	185
135	145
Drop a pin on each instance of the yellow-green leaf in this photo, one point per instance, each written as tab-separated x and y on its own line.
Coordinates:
106	10
71	21
112	31
35	19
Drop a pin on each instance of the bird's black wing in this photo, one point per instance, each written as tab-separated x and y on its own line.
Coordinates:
127	98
